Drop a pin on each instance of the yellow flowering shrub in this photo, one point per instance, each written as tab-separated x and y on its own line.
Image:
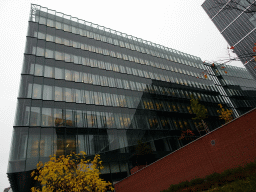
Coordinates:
70	173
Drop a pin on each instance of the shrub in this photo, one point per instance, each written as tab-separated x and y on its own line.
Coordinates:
196	181
234	177
213	177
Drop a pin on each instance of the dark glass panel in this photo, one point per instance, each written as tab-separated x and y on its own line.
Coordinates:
47	117
46	143
22	112
33	148
31	45
70	141
18	150
26	86
60	141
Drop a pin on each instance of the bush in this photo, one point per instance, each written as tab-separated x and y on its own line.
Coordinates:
213	177
236	178
196	181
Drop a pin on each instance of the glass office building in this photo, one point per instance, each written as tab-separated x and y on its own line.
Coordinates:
238	85
88	88
236	21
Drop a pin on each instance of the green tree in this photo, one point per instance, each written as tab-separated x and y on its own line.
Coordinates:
70	173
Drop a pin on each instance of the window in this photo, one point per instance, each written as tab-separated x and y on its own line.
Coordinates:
35	116
67	28
121	43
49	38
47	92
129	71
105	52
58	40
59	73
58	55
108	66
122	69
78	97
47	117
133	86
77	59
58	25
37	91
50	23
146	74
58	94
101	65
134	71
130	58
66	42
140	73
76	44
119	83
58	118
76	76
68	75
42	20
116	42
39	51
68	97
48	71
126	84
38	70
119	55
111	82
67	57
115	67
127	45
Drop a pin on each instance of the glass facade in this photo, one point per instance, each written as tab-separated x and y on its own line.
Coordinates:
236	21
238	86
88	88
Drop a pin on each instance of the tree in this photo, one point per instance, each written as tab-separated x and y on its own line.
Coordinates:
200	112
187	132
225	114
70	173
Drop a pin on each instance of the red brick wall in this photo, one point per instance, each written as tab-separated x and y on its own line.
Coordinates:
135	169
234	146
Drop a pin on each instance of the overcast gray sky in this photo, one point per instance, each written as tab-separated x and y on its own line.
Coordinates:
179	24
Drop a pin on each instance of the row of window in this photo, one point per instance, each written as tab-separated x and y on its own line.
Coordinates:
131	46
109	66
234	92
70	75
46	92
233	71
49	117
43	142
36	142
245	103
107	52
127	70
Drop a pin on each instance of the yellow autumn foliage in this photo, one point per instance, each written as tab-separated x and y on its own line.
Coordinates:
71	173
225	114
